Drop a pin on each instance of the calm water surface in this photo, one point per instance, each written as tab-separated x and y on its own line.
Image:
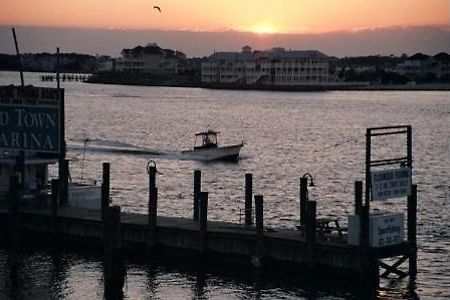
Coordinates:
286	134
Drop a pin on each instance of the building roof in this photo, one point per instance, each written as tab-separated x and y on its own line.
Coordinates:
442	57
275	53
298	54
419	56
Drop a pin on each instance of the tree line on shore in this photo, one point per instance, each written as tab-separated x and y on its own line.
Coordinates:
374	68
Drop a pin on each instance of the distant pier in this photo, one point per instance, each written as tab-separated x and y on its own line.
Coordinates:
65	77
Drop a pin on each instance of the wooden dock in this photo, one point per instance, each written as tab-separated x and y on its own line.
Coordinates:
315	245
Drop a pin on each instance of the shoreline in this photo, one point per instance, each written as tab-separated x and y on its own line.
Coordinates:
194	81
302	88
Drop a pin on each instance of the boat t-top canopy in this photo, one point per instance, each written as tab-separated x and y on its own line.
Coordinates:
208	132
208	139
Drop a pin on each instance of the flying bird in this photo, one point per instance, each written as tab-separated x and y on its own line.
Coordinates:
157	7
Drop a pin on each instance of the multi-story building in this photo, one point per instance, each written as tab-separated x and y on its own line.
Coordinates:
150	59
421	66
273	67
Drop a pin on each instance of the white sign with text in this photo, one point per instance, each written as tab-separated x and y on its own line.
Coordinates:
385	229
392	183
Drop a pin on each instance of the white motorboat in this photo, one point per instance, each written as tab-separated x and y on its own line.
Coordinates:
206	148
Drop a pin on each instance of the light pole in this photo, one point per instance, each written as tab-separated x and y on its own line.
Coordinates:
311	179
304	198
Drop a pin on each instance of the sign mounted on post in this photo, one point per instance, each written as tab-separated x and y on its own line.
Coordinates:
392	183
30	118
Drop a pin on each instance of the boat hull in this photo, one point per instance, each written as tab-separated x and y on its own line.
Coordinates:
226	153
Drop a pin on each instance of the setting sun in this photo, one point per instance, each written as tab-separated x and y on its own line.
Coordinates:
264	29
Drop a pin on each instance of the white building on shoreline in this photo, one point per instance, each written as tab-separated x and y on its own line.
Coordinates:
273	67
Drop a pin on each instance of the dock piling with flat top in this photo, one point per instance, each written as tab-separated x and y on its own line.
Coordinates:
105	189
113	262
54	206
14	200
197	190
64	181
203	218
248	199
259	222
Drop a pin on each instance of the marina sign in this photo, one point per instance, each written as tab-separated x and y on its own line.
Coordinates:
392	183
30	118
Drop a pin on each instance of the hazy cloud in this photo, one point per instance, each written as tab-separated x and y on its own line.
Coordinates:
385	41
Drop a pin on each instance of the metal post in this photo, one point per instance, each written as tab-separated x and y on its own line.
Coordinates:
409	145
368	162
358	197
412	230
248	198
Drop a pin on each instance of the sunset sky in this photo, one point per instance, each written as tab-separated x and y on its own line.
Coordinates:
268	16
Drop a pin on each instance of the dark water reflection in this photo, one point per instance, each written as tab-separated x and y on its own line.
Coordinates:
49	272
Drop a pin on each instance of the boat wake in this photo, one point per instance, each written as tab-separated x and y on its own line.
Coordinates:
111	146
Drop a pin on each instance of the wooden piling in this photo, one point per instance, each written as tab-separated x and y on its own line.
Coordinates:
63	181
152	217
14	199
114	268
105	188
358	197
152	178
248	199
197	190
412	230
311	230
259	222
203	219
259	215
365	258
54	206
20	168
303	200
112	232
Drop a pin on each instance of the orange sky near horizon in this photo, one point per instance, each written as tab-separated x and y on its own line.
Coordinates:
270	16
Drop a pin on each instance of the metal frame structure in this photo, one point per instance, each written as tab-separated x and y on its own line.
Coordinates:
407	251
404	161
